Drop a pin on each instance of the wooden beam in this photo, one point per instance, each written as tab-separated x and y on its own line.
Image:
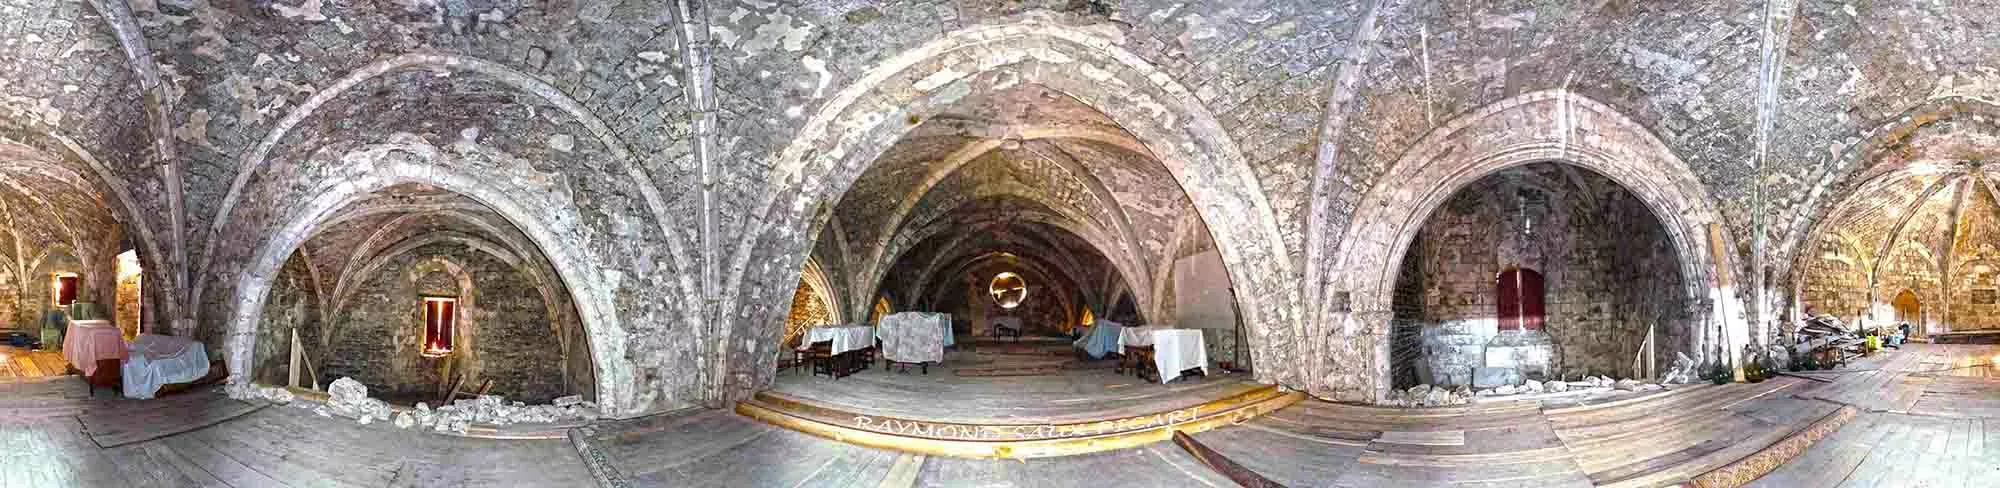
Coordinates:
1222	464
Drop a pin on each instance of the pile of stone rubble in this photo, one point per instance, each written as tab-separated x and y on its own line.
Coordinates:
1429	396
1439	396
1588	382
350	399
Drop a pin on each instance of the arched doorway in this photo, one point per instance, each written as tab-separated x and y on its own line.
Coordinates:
66	219
1908	309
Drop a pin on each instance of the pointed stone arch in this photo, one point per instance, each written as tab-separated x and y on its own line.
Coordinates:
544	216
1551	125
848	132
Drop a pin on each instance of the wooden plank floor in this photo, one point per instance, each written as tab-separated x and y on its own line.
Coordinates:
1932	420
1324	444
1072	395
43	444
17	364
716	448
1946	436
118	421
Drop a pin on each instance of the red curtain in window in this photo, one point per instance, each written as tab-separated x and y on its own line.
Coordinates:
65	290
438	318
1521	306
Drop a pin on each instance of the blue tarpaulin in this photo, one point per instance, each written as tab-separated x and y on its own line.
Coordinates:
1102	339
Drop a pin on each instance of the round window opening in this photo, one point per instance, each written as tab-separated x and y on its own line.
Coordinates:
1008	289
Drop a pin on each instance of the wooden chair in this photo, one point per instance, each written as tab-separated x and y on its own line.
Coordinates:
790	358
819	355
1139	359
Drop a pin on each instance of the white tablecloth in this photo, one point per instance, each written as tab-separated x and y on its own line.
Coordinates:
158	360
1139	336
1177	350
845	338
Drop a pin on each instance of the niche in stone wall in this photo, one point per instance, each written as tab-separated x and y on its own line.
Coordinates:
1541	271
350	301
498	332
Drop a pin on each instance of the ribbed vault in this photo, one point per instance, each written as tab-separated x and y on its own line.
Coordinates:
1921	218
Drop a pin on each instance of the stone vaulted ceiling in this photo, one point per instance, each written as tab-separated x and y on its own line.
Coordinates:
1027	163
1933	195
685	159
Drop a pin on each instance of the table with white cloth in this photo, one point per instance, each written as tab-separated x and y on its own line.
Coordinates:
914	338
1178	350
86	341
845	337
850	346
157	360
1139	335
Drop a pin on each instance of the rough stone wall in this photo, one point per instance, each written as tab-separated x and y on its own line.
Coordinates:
1837	286
1975	266
1650	290
1973	306
38	294
504	334
294	303
1408	362
1911	268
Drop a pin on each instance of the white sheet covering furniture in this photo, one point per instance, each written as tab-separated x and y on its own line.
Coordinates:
914	337
845	338
1176	350
158	360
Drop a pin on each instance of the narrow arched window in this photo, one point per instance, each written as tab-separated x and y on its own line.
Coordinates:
440	316
65	289
1520	299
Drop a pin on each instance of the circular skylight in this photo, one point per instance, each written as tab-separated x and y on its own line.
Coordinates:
1008	289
